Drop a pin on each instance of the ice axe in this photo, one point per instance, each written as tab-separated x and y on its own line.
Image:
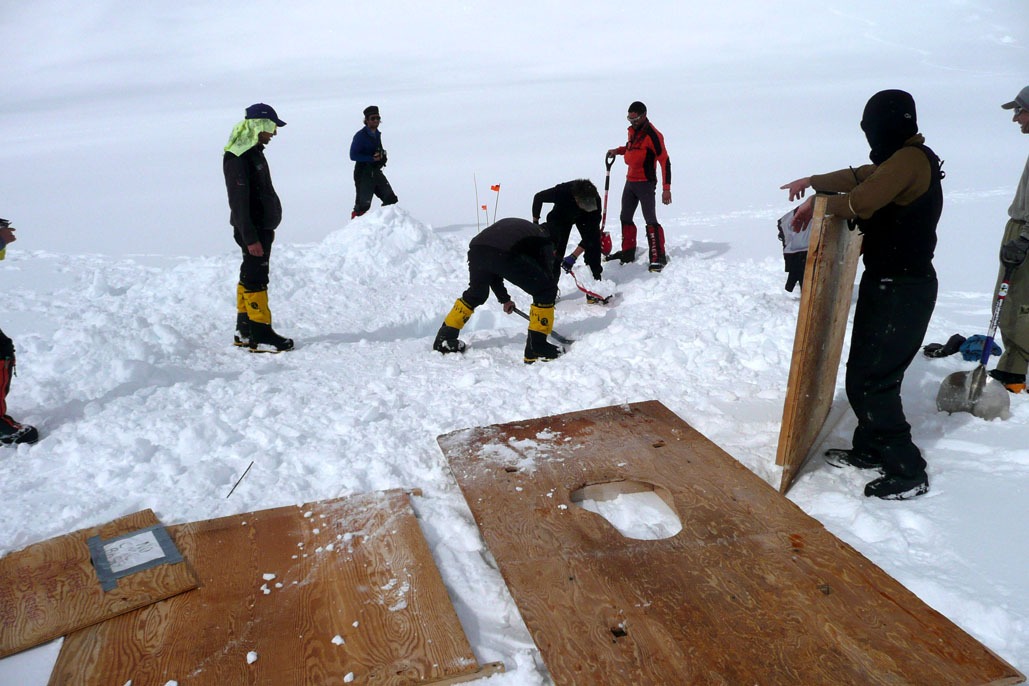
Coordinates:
554	334
605	245
976	391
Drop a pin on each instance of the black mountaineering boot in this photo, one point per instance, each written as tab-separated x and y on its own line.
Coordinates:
241	339
447	341
839	457
263	339
897	487
538	348
13	433
446	338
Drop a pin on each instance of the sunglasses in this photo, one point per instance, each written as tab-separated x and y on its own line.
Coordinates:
633	120
1019	110
375	117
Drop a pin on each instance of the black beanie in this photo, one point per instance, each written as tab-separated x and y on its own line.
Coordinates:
888	120
370	110
638	107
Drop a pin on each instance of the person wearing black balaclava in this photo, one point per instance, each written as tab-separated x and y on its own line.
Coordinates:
896	203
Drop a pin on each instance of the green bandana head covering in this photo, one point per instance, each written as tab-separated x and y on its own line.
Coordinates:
244	134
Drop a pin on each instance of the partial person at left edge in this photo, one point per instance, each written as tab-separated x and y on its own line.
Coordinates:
11	432
255	214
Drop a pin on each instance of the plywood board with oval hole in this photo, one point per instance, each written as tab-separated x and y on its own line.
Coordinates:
51	588
750	590
832	260
331	592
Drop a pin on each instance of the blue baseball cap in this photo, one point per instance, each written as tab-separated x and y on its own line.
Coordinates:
262	111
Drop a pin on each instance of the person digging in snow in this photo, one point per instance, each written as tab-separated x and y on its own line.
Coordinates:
369	158
576	203
256	212
11	432
1014	316
644	152
520	252
896	203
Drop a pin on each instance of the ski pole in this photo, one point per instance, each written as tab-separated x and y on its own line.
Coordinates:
557	337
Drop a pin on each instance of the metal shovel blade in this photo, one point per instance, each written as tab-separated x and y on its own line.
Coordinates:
975	392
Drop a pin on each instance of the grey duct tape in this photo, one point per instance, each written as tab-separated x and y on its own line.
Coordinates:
117	557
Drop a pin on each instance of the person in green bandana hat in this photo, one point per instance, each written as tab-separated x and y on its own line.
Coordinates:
256	212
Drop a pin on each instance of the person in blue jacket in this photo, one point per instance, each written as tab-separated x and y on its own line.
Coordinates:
369	159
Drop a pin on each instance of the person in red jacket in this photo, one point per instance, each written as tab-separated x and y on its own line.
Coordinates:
644	152
11	432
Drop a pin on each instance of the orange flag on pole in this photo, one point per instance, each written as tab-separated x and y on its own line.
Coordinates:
483	207
495	188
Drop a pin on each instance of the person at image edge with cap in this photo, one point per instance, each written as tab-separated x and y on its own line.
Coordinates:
644	152
369	159
1014	315
255	214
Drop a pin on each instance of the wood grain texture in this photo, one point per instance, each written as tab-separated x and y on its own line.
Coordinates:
316	593
51	588
833	253
751	591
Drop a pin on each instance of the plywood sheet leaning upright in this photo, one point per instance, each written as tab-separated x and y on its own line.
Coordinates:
825	297
334	592
751	591
51	588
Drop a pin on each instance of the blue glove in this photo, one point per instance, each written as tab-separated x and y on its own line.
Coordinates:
567	263
972	349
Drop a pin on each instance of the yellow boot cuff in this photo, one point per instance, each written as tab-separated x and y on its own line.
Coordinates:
541	318
459	314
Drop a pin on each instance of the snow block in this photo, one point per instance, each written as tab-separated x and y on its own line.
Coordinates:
832	259
751	591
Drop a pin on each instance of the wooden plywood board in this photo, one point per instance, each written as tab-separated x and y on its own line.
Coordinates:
51	588
332	592
750	591
832	260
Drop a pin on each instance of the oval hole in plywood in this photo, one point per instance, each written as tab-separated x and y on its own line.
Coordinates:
636	509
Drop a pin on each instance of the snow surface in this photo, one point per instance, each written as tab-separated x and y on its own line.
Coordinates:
120	290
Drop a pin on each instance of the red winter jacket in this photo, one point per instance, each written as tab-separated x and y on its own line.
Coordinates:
644	150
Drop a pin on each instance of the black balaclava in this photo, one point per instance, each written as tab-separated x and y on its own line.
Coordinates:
888	121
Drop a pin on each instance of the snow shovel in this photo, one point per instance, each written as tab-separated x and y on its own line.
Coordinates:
554	334
605	246
976	391
591	294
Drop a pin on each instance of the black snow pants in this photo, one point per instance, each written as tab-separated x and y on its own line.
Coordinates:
253	271
890	322
368	181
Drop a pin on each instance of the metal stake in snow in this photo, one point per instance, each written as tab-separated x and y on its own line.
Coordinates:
496	201
245	472
475	183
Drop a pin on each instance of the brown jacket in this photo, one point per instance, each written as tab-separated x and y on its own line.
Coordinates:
902	179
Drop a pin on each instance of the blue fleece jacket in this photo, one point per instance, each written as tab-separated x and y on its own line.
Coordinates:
365	144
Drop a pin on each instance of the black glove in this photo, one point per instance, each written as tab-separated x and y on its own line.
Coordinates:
1013	252
952	345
